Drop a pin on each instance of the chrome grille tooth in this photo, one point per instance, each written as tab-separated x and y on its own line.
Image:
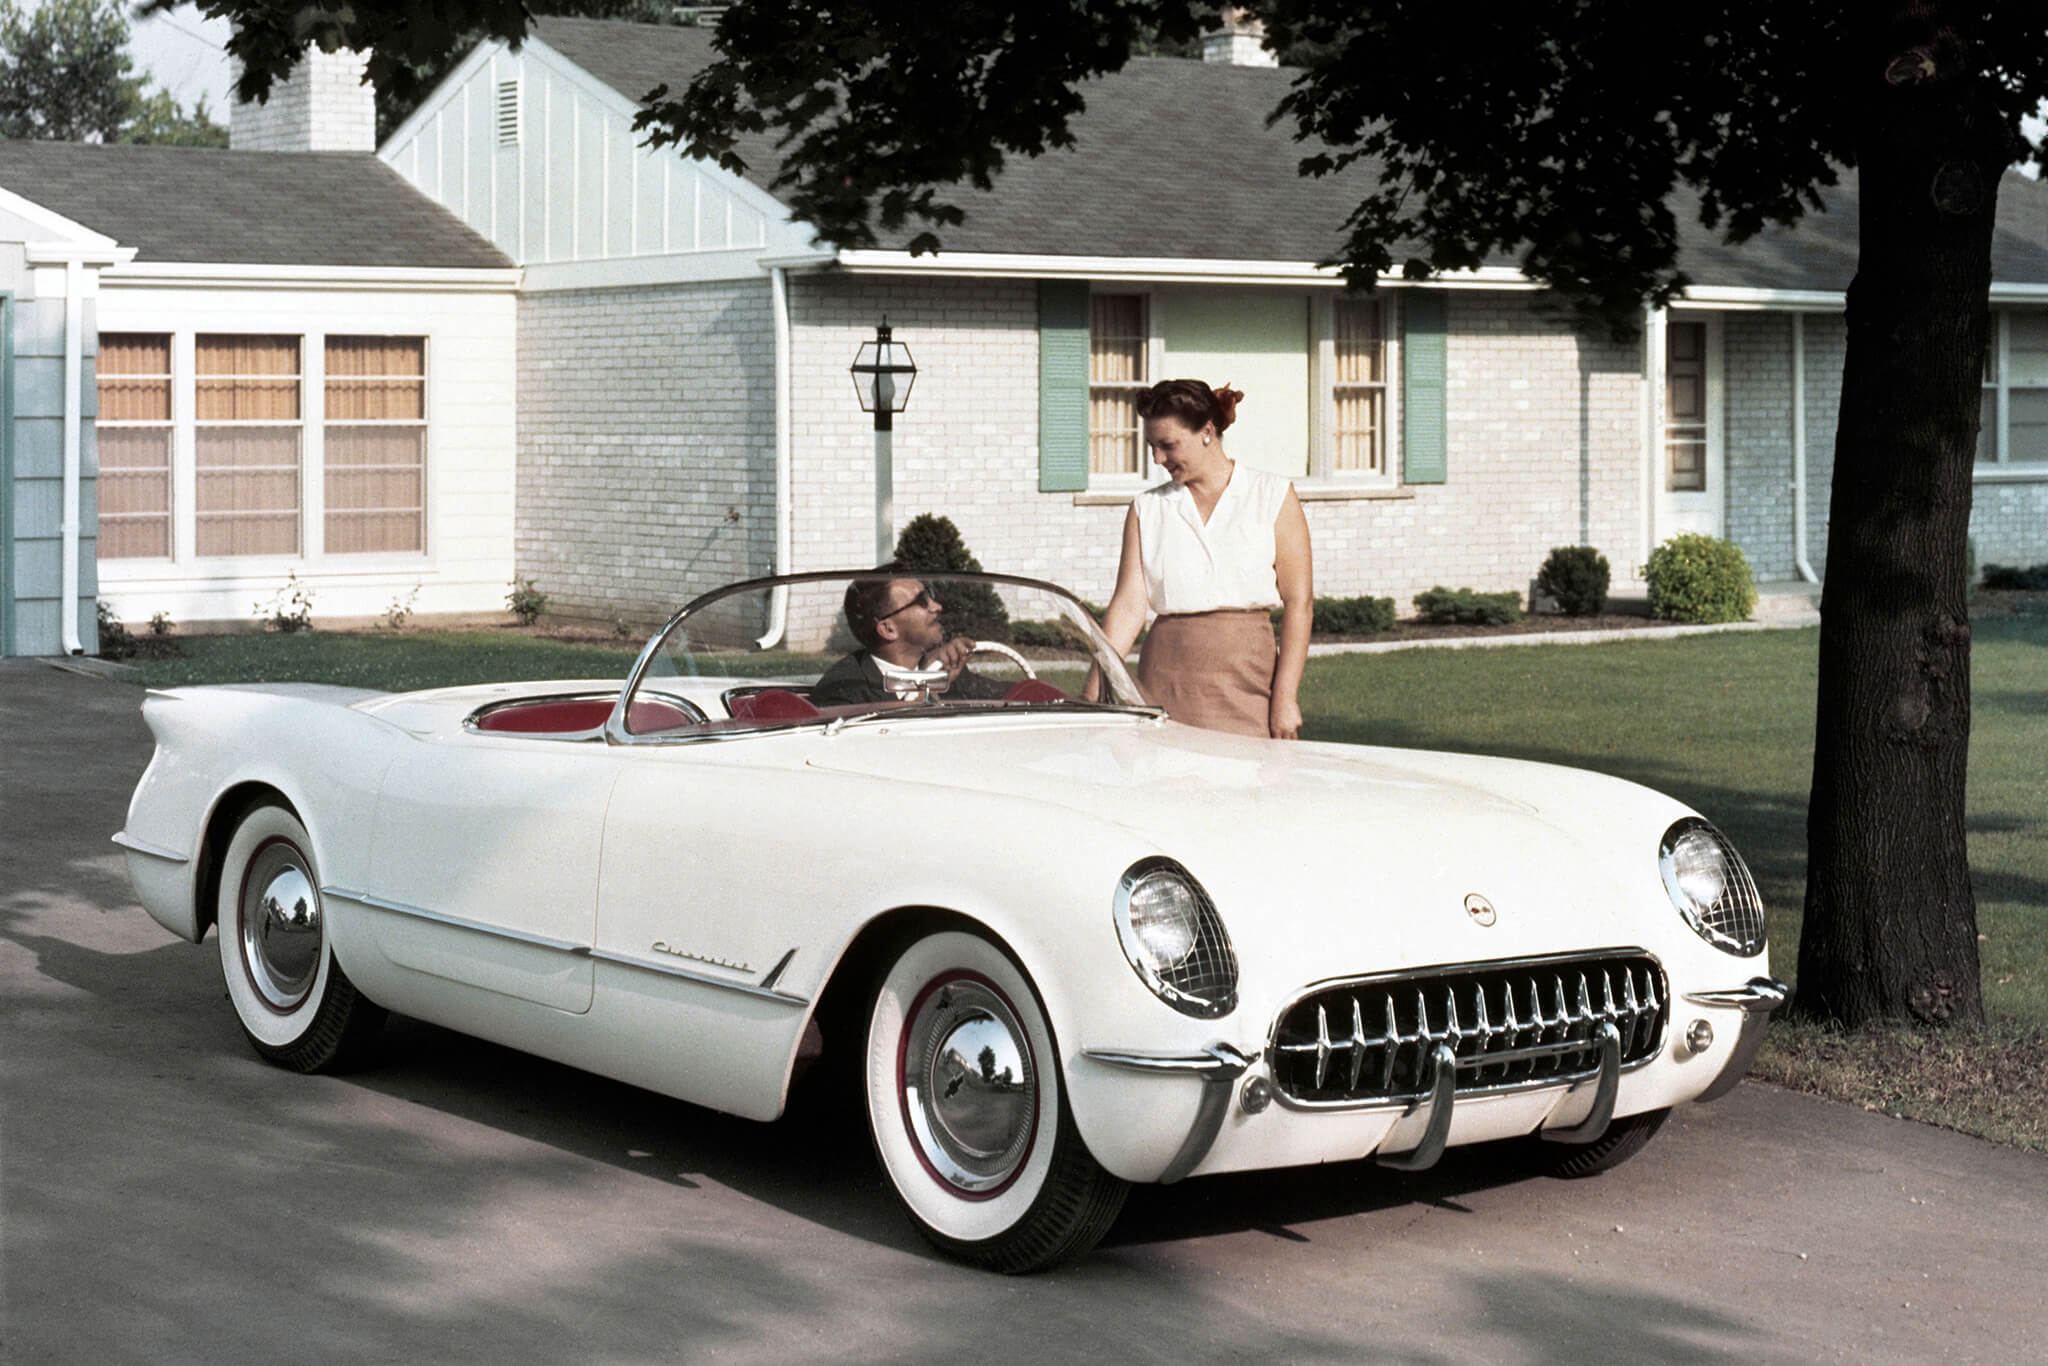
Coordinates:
1322	1045
1357	1041
1452	1034
1392	1047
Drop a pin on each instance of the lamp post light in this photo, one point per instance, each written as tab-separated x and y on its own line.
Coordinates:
882	375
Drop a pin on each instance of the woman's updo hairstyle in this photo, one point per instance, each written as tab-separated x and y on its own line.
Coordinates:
1191	403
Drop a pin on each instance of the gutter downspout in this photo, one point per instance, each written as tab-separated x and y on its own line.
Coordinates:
74	419
1799	550
1655	321
778	599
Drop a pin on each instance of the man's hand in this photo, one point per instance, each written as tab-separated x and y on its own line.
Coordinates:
952	656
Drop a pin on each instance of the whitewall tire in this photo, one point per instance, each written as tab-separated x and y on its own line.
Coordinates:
296	1005
968	1111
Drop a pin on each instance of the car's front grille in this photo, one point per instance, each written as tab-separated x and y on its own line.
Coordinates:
1369	1039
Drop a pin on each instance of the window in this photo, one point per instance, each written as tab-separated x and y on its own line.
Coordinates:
1685	408
134	427
1119	342
2014	414
1359	387
375	439
246	445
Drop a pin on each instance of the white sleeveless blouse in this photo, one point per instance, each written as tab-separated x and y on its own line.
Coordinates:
1228	562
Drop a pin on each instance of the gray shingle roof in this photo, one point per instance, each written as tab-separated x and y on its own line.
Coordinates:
213	206
1101	197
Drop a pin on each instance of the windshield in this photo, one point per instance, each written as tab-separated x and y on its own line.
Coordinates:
861	644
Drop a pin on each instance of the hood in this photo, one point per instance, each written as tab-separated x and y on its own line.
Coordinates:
1335	859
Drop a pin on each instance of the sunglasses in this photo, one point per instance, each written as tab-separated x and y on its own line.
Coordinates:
924	598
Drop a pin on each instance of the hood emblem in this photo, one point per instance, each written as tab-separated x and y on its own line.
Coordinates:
1480	909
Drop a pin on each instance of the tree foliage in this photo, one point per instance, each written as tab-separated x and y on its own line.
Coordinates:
65	76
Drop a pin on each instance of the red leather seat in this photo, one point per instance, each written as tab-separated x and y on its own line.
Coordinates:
773	704
1034	690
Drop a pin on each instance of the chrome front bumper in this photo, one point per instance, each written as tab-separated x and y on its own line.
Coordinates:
1219	1066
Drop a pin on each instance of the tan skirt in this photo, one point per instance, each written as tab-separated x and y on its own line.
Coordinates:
1212	669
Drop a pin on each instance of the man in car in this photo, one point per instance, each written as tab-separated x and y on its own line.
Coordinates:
897	623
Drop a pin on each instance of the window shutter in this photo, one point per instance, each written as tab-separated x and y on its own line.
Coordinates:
1424	459
1062	386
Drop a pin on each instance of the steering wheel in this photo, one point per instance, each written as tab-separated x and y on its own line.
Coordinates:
996	647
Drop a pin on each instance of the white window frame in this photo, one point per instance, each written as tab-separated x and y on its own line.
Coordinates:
169	427
2000	386
1322	462
1155	357
424	423
312	423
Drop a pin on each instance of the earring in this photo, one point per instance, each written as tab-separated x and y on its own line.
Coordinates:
1205	441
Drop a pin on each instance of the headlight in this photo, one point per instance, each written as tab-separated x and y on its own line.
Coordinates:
1711	887
1174	939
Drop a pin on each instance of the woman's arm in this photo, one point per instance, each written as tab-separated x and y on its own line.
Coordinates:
1125	616
1295	572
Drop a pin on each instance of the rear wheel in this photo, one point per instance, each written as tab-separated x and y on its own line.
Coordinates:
1624	1138
968	1113
296	1005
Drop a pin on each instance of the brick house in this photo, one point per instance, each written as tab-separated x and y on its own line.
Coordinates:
681	343
675	392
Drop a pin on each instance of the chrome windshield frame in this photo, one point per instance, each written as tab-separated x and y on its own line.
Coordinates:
615	731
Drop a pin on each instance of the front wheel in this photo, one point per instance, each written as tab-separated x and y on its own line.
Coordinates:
298	1008
1624	1138
968	1114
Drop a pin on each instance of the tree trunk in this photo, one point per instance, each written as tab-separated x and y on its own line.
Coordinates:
1890	931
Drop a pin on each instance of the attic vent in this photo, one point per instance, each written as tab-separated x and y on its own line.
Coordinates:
508	113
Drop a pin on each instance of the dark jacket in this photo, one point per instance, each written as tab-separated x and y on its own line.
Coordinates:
857	678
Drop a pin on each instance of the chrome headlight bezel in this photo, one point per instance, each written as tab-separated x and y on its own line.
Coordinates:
1711	888
1159	905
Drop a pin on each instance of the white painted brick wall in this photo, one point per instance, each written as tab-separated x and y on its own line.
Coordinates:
1543	437
646	445
1757	348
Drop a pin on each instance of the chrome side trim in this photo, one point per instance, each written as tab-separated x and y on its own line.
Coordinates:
129	842
1602	1114
1441	1101
377	903
775	973
1219	1065
762	993
1756	1001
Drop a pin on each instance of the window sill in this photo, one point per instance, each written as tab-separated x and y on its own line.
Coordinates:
1308	490
2010	474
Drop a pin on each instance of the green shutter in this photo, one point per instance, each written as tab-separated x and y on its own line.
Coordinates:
1423	454
1062	386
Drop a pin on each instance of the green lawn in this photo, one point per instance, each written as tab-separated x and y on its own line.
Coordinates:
1723	722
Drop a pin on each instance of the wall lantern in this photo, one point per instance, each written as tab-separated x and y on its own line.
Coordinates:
882	375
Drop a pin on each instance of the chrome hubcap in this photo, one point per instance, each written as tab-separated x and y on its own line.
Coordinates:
281	930
969	1086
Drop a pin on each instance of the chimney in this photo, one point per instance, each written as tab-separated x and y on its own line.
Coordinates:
1238	40
323	106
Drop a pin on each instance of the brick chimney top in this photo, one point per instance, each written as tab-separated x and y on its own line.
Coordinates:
1238	40
323	106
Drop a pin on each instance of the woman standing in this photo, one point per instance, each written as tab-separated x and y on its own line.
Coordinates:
1212	551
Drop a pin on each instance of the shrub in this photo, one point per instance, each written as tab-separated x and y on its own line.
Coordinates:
932	544
1700	579
1050	634
2033	577
1360	616
1575	577
1442	606
290	608
400	610
116	641
526	602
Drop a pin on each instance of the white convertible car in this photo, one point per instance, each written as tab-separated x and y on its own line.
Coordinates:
1059	941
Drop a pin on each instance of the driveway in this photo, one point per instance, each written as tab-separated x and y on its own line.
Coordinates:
165	1197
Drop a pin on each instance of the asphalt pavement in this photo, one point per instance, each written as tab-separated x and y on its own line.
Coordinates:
165	1197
